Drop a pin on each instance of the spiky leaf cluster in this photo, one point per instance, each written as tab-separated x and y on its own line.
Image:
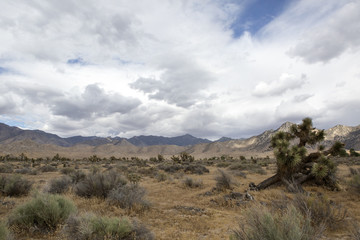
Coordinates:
323	168
306	133
288	158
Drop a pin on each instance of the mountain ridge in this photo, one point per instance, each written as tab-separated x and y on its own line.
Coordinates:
14	140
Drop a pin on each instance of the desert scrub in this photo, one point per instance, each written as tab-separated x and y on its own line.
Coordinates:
251	167
99	184
26	170
43	212
321	210
6	168
224	181
191	183
4	232
67	170
161	177
91	227
14	186
77	176
196	169
355	180
47	168
261	224
128	196
59	185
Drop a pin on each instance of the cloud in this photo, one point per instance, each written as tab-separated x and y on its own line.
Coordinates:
175	67
182	83
7	105
93	102
278	87
302	97
329	39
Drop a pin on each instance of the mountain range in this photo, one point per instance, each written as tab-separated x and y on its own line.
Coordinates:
36	143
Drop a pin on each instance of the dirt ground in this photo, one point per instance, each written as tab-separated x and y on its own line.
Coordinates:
180	212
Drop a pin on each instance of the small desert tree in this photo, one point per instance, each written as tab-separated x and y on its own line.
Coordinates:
293	162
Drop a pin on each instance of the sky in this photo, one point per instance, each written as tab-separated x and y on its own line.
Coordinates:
209	68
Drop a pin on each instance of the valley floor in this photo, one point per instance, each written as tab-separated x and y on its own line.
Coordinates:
178	211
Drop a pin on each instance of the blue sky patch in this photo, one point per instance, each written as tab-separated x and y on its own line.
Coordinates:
78	60
257	14
3	70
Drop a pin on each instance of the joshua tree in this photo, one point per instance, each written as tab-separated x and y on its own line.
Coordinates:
293	162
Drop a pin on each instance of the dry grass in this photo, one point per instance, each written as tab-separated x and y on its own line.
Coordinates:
178	212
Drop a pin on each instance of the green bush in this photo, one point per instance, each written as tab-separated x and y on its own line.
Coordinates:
14	185
43	212
99	184
90	226
264	224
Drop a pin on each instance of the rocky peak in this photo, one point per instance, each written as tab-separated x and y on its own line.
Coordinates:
285	127
339	130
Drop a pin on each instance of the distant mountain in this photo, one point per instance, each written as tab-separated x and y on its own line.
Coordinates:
184	140
14	140
223	139
11	134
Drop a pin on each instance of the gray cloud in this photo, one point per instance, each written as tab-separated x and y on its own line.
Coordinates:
331	39
275	88
341	111
94	102
181	84
7	105
302	97
56	31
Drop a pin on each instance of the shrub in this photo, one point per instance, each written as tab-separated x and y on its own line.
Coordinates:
77	176
251	167
6	168
26	171
127	196
189	182
355	230
171	168
59	185
90	226
321	210
48	168
161	177
133	178
4	232
263	224
14	185
224	181
99	184
196	169
355	180
67	170
44	212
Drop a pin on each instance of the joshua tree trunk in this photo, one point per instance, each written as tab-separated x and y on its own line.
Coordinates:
269	181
